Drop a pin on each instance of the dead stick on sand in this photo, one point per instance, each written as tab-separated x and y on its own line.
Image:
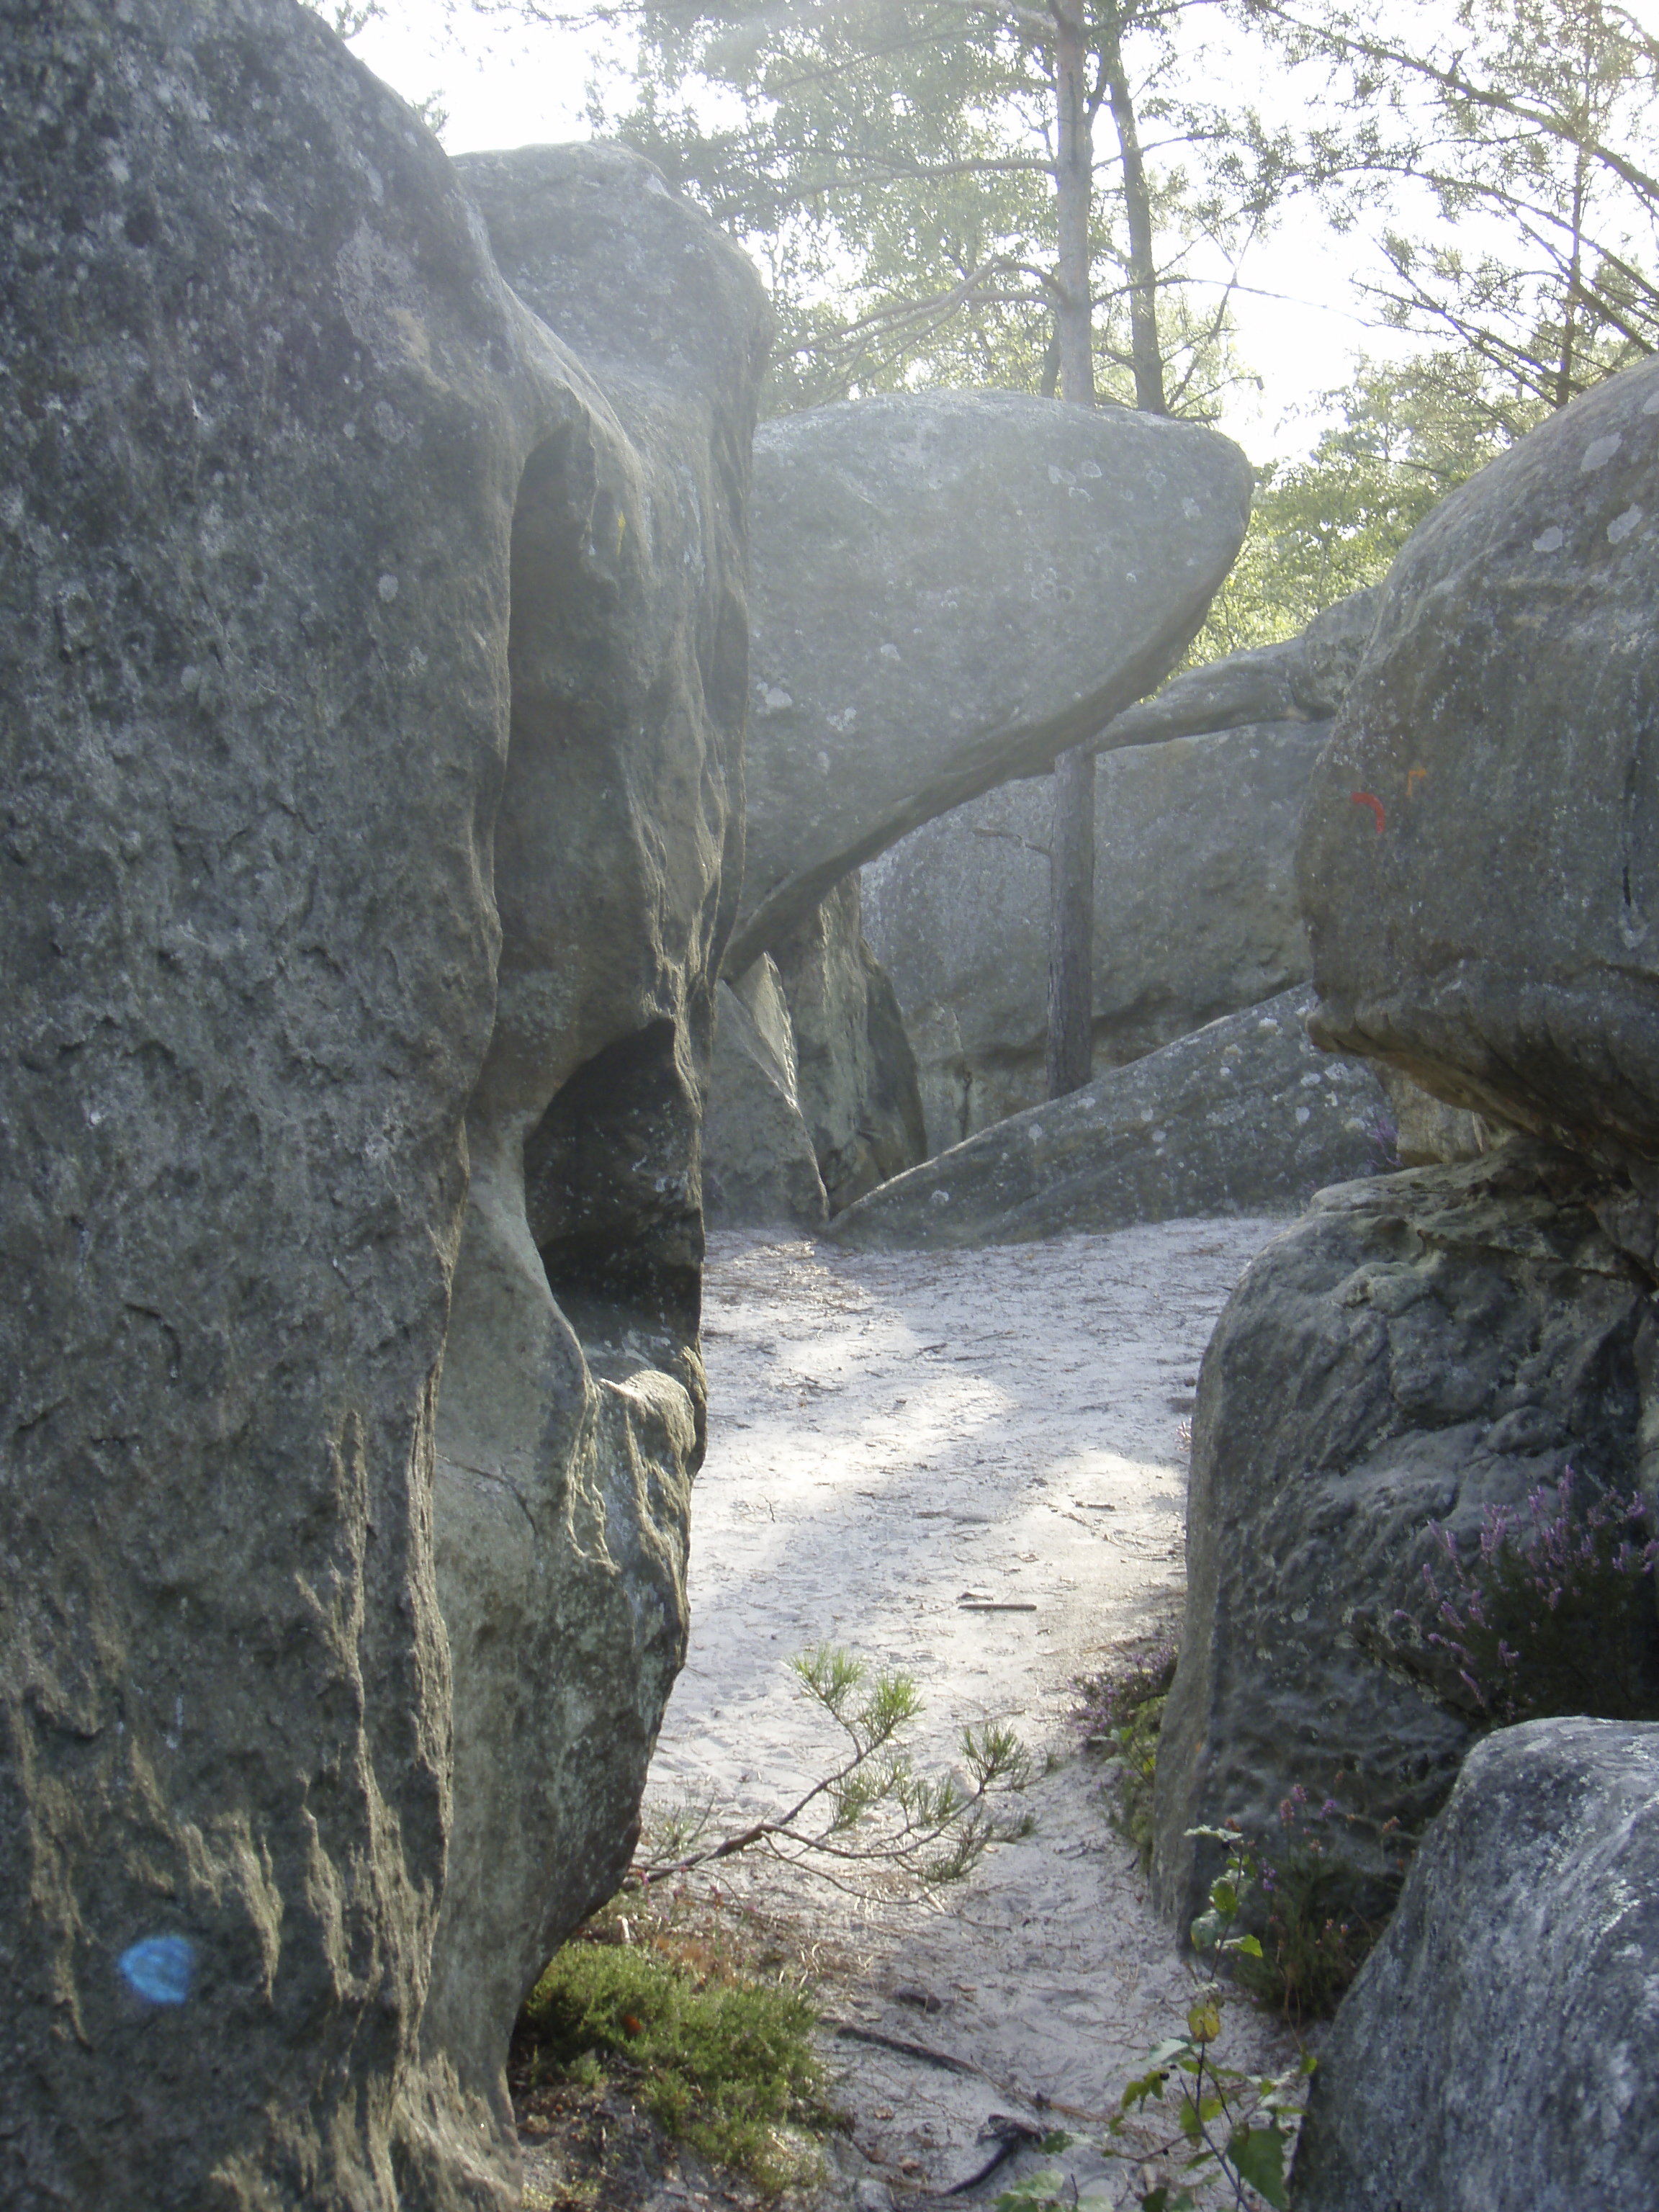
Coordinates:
906	2049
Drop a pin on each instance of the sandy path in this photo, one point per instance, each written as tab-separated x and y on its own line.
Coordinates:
889	1436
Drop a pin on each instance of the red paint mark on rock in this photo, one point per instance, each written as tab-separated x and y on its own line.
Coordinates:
1365	799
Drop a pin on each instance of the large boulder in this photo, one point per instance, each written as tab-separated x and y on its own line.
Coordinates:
571	1417
1243	1116
814	1098
1197	796
1195	914
950	589
315	542
1419	1348
1480	861
858	1075
1496	2053
759	1169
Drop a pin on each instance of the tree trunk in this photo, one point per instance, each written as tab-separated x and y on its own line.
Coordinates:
1072	844
1569	306
1146	351
1074	186
1071	924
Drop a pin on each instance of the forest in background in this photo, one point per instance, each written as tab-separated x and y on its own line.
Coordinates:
956	192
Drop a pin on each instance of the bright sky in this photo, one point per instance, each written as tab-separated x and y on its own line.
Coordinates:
1300	322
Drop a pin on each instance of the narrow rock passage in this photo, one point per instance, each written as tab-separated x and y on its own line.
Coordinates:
894	1439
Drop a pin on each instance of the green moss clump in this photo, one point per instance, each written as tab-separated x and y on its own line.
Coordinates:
1120	1711
724	2067
1137	1775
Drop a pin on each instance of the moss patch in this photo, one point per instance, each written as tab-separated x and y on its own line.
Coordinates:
1137	1775
720	2062
1121	1712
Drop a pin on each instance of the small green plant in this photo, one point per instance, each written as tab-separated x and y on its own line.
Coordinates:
1048	2191
1121	1711
727	2065
1318	1914
1553	1612
872	1810
1236	2127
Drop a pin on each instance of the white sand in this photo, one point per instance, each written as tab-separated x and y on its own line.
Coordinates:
890	1435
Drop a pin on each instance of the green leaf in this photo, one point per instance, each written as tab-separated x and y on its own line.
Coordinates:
1034	2193
1224	1896
1163	2053
1257	2155
1207	1931
1249	1947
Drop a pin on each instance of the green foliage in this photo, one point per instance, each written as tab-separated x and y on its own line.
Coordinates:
1513	148
726	2068
1553	1612
1048	2190
1239	2128
1318	1914
1121	1711
872	1809
1137	1772
892	165
1411	432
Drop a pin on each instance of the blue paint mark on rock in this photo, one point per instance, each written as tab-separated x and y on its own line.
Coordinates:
160	1968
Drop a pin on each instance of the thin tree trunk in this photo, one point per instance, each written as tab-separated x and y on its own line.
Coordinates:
1146	351
1569	316
1074	185
1072	844
1071	924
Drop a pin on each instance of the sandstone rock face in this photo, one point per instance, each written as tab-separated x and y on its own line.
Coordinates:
950	589
1494	2055
1303	678
1242	1116
858	1075
758	1165
1195	913
1428	1132
313	537
1418	1348
571	1415
1479	863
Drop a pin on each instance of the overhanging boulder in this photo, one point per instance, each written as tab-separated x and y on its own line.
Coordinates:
950	589
1479	856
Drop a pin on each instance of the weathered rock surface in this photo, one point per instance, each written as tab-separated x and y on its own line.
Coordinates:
1480	861
270	412
571	1415
759	1164
1495	2054
950	589
1195	913
1242	1116
1428	1132
858	1074
1303	678
1420	1347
